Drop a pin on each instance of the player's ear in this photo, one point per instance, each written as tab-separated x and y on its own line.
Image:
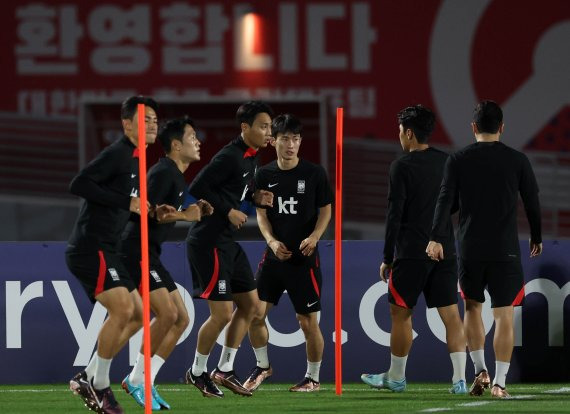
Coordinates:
474	128
244	126
501	128
272	141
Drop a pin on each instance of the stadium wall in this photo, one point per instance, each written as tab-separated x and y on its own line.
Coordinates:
48	327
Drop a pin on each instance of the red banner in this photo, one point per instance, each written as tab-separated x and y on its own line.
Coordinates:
372	57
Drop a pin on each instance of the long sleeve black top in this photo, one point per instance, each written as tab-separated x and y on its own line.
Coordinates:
415	178
106	185
225	182
487	178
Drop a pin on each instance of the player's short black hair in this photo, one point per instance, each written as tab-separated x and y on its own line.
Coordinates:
488	117
419	119
249	110
284	123
173	130
129	105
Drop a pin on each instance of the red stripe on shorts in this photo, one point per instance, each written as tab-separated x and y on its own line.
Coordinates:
395	294
315	284
214	279
462	294
519	298
101	276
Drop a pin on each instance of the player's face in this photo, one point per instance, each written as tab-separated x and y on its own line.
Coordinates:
287	145
258	134
404	139
151	125
190	149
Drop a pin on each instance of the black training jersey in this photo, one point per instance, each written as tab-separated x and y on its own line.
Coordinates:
415	178
298	194
487	177
106	184
166	185
225	182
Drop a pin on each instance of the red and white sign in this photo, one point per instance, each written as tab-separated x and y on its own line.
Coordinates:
372	56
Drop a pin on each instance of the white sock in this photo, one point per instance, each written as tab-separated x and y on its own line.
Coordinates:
397	370
199	365
155	364
261	357
313	369
227	357
136	377
101	377
501	369
458	360
91	367
478	358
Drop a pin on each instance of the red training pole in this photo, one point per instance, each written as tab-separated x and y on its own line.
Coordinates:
338	254
144	257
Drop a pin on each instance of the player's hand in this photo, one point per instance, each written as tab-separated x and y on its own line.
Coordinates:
135	206
280	250
193	213
308	245
435	251
163	211
237	218
205	208
263	198
535	249
385	271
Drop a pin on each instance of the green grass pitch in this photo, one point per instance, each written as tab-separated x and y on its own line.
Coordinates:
275	398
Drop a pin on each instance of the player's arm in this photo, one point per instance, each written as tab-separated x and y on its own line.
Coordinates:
308	245
89	182
194	212
278	248
445	202
397	195
528	188
208	182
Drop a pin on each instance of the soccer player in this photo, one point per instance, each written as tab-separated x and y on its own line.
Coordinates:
166	186
415	178
221	273
487	177
292	229
109	187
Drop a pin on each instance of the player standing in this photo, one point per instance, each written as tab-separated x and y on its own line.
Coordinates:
487	177
109	187
292	229
221	272
166	186
415	178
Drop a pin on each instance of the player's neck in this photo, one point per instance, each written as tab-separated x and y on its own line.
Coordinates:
418	147
182	166
247	142
487	137
134	140
287	164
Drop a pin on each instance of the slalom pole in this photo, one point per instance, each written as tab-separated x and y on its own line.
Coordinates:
338	254
144	257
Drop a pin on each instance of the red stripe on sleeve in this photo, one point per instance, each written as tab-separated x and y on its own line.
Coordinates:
214	279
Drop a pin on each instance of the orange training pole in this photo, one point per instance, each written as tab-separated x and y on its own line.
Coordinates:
144	257
338	254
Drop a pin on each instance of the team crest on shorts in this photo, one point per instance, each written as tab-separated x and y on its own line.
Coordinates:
114	274
221	287
155	275
301	187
